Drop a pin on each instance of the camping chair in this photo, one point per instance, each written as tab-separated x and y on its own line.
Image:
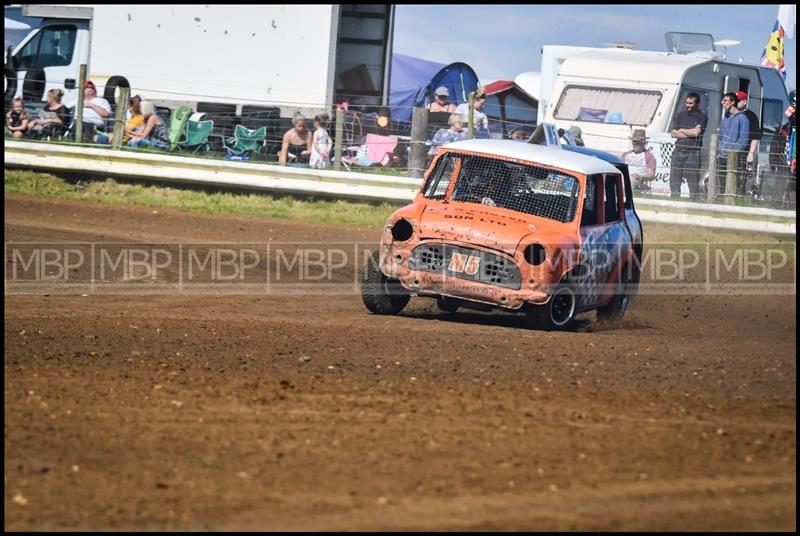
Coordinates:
245	142
376	151
196	134
177	126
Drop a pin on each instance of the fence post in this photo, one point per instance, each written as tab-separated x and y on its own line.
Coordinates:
471	117
418	149
337	146
712	167
730	178
79	106
119	117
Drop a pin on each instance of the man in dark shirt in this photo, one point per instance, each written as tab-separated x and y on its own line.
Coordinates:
754	138
688	128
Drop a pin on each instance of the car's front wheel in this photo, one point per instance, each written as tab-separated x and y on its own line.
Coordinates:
556	314
382	295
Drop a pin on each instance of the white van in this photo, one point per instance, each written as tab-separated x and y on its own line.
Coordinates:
609	92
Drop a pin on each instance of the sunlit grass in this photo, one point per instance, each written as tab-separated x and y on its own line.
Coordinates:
220	202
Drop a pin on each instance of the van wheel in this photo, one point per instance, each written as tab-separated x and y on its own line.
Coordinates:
11	84
33	85
111	88
382	295
614	310
558	313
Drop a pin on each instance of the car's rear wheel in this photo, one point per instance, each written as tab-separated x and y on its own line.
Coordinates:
448	305
614	310
558	313
382	295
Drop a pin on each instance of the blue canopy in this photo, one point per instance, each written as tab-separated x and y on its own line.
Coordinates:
413	81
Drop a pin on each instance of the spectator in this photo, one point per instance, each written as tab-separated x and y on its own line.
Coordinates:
733	138
641	162
154	133
444	136
577	134
321	143
296	142
520	134
687	129
791	149
134	124
17	118
441	103
95	111
54	118
479	118
754	138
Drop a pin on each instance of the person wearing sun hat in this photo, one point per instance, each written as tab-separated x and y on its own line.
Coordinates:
441	102
641	162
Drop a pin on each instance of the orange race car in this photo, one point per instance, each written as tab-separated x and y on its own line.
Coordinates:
518	226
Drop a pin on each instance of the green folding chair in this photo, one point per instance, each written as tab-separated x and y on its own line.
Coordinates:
197	136
246	142
177	126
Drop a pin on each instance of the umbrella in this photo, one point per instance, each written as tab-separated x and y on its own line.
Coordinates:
12	24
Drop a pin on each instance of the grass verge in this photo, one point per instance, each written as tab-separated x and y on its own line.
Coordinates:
236	203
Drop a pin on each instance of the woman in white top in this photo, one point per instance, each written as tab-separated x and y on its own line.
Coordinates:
479	118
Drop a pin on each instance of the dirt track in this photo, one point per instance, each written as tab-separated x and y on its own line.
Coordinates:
304	412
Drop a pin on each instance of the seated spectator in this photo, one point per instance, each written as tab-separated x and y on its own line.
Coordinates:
135	123
479	119
54	117
444	136
520	134
441	103
17	118
296	142
641	162
154	133
95	111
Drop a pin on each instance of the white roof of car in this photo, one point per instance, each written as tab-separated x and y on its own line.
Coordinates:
540	154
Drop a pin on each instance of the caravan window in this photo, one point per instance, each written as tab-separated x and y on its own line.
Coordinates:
772	118
608	105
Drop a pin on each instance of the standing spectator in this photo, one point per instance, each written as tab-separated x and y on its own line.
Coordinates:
444	136
479	118
641	162
441	103
791	148
754	137
53	119
321	143
688	128
95	111
296	141
155	132
733	137
17	118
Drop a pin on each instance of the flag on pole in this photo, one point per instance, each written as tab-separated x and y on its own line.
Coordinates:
783	28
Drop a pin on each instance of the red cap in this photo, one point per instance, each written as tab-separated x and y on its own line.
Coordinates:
741	95
90	84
